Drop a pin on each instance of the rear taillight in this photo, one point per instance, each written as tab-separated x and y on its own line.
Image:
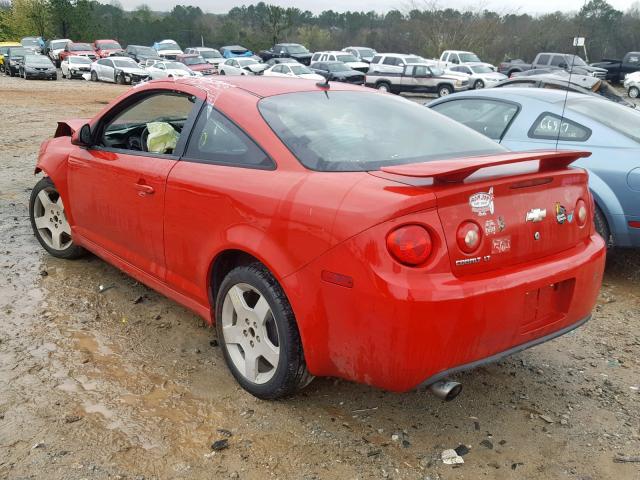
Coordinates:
581	212
469	236
410	245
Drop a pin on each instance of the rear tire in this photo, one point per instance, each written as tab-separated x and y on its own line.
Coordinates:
634	92
384	87
478	85
602	227
257	329
444	90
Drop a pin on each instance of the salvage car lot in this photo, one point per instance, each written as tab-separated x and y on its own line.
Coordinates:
108	378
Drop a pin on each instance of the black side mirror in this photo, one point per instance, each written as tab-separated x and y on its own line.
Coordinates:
82	137
563	65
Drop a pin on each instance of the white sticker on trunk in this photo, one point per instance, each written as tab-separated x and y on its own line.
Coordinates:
482	203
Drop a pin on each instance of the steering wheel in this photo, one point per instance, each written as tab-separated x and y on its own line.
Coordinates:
144	136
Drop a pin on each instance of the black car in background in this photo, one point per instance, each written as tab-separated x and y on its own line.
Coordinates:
287	50
38	67
618	69
12	60
141	53
338	72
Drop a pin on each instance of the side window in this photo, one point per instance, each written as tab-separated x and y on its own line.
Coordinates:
286	69
389	61
454	58
445	56
376	59
161	66
489	117
332	57
217	140
543	59
152	124
421	71
558	60
409	70
549	126
277	69
634	59
466	70
315	57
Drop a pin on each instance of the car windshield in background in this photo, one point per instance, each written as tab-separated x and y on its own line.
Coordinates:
18	52
109	45
58	45
39	60
210	54
342	131
413	60
176	66
125	63
80	47
145	51
468	57
617	117
80	60
194	61
300	69
30	42
574	60
296	49
366	52
436	72
167	46
480	69
346	58
338	67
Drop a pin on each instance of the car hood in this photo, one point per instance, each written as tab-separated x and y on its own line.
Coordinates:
256	67
164	53
111	51
301	55
177	73
215	61
492	76
83	52
311	76
357	64
484	64
132	70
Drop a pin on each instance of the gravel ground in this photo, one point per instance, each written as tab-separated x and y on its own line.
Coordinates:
127	384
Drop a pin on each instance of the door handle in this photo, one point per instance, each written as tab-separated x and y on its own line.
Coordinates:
143	189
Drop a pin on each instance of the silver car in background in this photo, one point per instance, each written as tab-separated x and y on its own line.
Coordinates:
479	75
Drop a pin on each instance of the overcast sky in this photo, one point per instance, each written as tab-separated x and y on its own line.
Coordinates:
505	6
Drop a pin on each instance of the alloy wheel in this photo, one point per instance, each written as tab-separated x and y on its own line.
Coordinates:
250	333
50	219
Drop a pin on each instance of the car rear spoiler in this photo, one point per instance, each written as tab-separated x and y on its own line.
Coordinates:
457	169
68	127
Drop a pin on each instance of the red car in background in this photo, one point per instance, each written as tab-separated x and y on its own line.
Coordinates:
197	63
106	48
76	48
319	239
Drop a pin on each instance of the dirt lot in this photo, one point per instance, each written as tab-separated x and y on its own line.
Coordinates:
124	383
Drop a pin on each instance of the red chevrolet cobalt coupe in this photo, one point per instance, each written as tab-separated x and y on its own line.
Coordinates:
327	230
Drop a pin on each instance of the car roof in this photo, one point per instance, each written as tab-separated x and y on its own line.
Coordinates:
458	51
287	44
262	86
398	55
106	40
517	94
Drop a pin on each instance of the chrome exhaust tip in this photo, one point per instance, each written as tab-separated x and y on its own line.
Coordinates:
446	390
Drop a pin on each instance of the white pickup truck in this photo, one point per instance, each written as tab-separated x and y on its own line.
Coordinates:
450	58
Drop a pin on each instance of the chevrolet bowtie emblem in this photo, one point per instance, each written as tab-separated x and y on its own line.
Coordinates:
536	215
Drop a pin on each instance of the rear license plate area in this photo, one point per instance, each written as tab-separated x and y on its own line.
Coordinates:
546	305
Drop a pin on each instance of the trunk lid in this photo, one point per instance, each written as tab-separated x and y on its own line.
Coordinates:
527	214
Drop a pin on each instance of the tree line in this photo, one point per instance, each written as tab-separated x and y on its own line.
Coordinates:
423	28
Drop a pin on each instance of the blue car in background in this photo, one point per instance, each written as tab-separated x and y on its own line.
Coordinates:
232	51
532	118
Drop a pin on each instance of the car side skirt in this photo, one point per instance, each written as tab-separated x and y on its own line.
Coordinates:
498	356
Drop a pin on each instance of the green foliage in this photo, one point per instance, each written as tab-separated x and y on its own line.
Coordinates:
424	29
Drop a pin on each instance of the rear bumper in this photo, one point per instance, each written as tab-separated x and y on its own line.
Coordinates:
397	328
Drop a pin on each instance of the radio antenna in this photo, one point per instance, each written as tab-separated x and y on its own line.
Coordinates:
573	61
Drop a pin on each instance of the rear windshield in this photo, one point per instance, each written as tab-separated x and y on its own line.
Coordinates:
80	47
167	46
194	60
342	131
109	45
617	117
59	44
346	58
210	54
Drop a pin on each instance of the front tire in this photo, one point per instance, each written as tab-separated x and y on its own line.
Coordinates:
444	90
634	92
94	76
258	333
49	221
120	79
384	87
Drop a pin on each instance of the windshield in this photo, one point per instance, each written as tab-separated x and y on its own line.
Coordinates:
167	46
413	60
342	131
30	42
296	49
338	67
468	57
145	51
17	52
210	54
346	58
109	45
436	72
125	63
176	66
617	117
60	44
194	60
80	60
80	47
236	49
575	60
39	60
480	69
300	69
366	52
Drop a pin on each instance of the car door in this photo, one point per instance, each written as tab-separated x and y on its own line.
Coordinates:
118	189
219	166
